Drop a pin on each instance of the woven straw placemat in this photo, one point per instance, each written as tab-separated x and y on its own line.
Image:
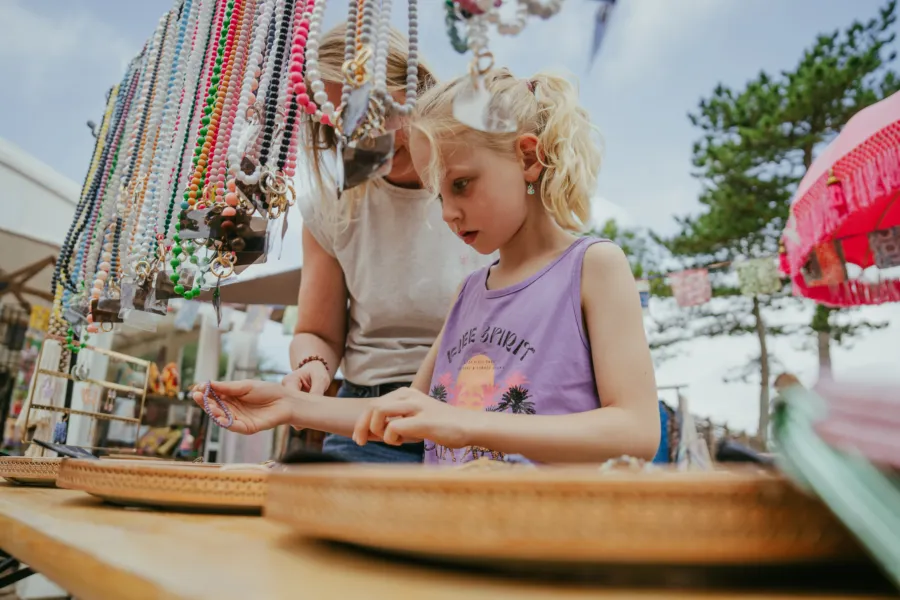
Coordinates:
562	514
193	486
30	471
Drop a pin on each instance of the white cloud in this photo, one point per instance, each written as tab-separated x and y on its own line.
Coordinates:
602	210
642	32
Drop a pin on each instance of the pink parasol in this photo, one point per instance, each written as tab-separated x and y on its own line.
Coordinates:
850	191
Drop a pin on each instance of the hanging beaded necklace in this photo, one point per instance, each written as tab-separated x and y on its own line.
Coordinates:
212	112
247	117
266	122
98	273
195	70
236	77
91	250
381	55
63	285
106	234
139	224
229	59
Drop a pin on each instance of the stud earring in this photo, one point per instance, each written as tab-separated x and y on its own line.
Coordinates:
530	189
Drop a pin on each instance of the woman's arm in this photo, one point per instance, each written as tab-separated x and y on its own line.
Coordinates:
422	380
259	405
321	328
628	422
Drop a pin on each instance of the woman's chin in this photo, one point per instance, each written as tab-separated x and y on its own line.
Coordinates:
403	173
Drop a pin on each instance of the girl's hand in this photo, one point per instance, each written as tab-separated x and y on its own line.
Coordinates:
255	405
407	415
312	377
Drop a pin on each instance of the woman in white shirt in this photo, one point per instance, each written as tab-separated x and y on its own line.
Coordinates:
380	267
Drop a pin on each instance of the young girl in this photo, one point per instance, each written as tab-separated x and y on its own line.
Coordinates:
543	354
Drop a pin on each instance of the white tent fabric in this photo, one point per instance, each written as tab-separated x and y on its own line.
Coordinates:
37	205
38	202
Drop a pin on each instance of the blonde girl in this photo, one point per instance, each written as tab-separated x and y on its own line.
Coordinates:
543	355
379	267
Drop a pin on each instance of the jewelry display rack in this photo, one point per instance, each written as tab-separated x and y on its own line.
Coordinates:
108	385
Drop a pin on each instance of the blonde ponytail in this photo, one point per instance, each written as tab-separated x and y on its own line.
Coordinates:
544	105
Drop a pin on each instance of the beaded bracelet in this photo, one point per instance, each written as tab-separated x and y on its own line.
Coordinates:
313	358
206	394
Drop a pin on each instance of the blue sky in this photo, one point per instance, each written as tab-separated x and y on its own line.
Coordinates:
58	58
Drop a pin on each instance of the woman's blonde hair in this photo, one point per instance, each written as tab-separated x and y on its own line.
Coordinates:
544	105
321	138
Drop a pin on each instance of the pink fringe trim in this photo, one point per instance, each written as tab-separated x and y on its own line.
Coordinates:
866	176
849	293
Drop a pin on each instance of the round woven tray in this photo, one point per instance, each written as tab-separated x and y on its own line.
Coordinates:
192	486
564	515
30	471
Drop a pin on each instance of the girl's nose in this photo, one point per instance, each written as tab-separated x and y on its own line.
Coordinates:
450	212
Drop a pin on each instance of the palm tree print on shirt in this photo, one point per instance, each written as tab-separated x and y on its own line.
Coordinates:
515	400
439	392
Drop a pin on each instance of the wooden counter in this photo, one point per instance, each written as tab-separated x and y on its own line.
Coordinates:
100	552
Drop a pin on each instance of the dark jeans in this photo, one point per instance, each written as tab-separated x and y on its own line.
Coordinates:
372	452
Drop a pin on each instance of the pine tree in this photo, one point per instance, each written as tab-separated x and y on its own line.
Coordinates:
759	142
756	143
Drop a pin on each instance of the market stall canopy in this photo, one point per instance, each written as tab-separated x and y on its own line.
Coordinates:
274	289
846	211
38	205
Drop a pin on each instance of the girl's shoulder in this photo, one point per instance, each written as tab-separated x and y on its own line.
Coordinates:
602	254
606	273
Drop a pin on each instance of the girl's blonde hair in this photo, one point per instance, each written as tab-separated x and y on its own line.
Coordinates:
544	105
320	138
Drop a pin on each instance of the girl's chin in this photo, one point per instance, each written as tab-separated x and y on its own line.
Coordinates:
482	248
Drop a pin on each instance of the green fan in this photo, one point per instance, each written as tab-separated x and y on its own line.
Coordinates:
865	496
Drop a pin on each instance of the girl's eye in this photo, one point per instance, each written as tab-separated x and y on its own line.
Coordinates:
459	185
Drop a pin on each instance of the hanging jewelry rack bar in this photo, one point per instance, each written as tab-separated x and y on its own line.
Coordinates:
100	416
106	384
86	413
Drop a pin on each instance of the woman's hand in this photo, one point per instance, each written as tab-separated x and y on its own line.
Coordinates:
407	415
313	377
255	405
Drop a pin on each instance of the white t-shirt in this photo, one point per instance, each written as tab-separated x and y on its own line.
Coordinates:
402	266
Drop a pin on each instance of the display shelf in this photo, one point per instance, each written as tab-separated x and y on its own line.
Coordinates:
139	394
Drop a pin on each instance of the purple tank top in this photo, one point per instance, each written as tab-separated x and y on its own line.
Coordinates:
522	349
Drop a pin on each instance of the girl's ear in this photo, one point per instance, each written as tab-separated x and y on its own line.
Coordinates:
528	151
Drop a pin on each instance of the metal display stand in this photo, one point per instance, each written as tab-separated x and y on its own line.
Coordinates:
73	378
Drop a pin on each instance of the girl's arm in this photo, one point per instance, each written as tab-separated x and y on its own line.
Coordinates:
628	422
321	328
